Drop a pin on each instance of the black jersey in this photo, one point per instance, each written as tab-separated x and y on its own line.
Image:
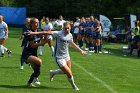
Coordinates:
28	50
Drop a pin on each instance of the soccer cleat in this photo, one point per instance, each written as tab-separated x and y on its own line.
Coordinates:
75	87
9	53
100	52
51	75
21	67
30	85
86	49
36	81
91	51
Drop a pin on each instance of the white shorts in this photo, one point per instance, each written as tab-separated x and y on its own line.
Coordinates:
2	36
61	62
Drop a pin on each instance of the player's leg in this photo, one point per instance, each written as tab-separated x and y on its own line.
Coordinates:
1	47
35	63
98	45
50	45
7	50
60	63
21	63
41	50
68	72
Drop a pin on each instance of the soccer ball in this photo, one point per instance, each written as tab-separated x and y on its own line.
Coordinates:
58	27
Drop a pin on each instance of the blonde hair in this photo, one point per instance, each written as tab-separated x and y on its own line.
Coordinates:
67	24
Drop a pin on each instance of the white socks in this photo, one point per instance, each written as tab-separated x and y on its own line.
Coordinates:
2	49
59	71
71	80
52	49
41	50
5	49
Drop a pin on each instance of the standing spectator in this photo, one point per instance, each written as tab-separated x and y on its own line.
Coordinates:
63	39
76	30
98	36
89	34
30	53
101	33
3	36
136	39
81	33
42	22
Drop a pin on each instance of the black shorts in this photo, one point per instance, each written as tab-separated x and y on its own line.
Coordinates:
98	36
25	55
75	36
136	39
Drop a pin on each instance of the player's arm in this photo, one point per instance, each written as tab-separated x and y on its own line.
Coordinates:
76	47
6	32
41	33
34	45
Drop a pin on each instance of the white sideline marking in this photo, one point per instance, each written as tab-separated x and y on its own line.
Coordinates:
96	78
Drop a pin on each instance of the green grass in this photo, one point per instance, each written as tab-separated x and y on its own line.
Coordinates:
96	73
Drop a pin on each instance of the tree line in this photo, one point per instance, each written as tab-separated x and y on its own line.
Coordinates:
73	8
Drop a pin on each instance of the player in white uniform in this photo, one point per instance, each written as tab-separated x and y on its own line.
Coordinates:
63	39
47	27
3	36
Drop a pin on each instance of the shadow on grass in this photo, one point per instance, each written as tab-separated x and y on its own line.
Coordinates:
8	67
25	87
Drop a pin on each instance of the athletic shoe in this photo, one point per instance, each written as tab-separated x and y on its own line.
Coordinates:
91	51
9	53
75	87
86	49
30	85
21	67
51	75
100	52
36	82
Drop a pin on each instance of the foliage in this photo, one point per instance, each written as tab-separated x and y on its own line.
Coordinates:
73	8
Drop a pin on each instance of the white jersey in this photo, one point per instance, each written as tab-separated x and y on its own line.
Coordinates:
47	27
76	29
3	27
62	43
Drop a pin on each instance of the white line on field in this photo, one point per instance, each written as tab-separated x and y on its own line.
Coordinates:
96	78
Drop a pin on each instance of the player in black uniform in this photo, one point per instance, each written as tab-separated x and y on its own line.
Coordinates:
25	29
30	53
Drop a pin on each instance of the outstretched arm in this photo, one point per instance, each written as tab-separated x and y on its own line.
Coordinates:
41	33
80	50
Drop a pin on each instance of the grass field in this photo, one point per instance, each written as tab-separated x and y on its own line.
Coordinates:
96	73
